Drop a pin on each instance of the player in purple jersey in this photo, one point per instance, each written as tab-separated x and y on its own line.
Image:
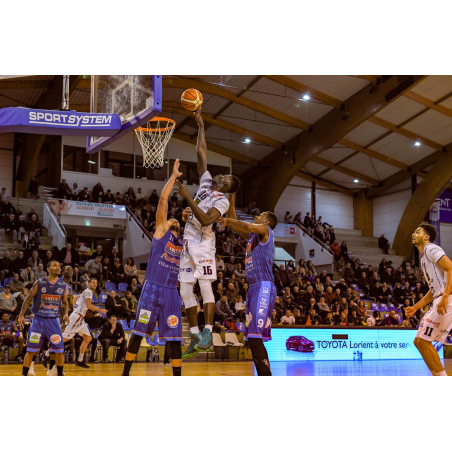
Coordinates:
262	292
159	300
49	297
10	336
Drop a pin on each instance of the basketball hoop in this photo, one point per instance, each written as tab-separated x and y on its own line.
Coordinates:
153	139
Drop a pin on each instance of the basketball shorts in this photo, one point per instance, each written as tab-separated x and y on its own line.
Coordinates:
160	304
260	302
8	342
76	325
436	327
197	261
45	328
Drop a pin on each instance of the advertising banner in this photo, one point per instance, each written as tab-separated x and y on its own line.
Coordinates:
312	344
87	209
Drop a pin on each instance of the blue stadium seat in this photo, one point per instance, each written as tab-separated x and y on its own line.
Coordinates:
393	307
374	307
383	307
122	287
103	297
110	286
7	280
125	327
159	341
139	286
132	323
240	326
150	342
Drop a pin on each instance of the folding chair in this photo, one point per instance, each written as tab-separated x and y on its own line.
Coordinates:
232	341
110	286
122	287
217	342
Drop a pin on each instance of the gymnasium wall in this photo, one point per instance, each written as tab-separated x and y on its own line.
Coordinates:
334	207
6	159
130	145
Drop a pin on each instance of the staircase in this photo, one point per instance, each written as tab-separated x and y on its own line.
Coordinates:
25	206
365	248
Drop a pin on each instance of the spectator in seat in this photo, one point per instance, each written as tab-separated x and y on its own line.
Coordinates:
40	273
227	247
74	192
106	269
392	320
113	305
34	261
231	266
239	272
48	258
3	195
361	310
28	275
19	263
219	291
342	320
152	214
341	286
113	334
94	268
244	291
64	191
21	226
233	280
351	296
330	296
364	284
411	277
84	196
96	190
318	286
8	225
308	295
287	217
253	209
311	305
399	276
231	294
347	273
339	264
343	305
329	319
16	285
7	208
219	263
8	302
68	256
353	319
375	278
336	249
222	310
154	198
129	306
108	198
114	254
76	279
344	251
383	243
117	272
323	308
418	290
133	287
374	319
30	243
282	278
239	308
130	269
287	319
220	280
84	280
376	291
313	318
35	226
98	253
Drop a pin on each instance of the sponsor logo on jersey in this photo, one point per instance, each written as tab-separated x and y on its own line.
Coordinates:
207	261
55	339
171	259
248	249
249	260
35	338
172	321
188	270
248	318
60	291
435	324
173	249
144	317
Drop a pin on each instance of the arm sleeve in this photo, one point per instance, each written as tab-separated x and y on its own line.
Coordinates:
88	294
221	204
206	178
434	253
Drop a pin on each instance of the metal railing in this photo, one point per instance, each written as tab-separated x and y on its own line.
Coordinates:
143	230
63	229
306	232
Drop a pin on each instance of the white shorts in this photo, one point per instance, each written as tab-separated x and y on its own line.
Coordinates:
197	261
76	325
436	327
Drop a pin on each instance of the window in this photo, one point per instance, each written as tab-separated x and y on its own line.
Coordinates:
149	173
76	159
120	164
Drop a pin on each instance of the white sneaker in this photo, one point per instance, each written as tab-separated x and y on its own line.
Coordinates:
31	371
167	365
53	372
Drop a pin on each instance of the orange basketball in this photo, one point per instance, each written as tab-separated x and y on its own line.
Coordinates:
191	99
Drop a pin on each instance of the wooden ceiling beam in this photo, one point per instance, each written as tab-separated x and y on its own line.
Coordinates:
215	90
344	170
405	132
373	154
370	78
175	107
299	87
325	183
36	84
218	149
428	103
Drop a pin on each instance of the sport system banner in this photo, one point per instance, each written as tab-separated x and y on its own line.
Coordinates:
312	344
87	209
58	122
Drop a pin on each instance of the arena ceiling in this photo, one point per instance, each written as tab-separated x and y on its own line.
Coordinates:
256	119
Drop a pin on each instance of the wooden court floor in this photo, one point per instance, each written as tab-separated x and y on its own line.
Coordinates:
246	368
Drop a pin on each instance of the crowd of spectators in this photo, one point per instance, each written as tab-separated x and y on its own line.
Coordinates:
19	227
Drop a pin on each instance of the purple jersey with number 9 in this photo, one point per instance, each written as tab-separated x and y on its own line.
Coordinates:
259	258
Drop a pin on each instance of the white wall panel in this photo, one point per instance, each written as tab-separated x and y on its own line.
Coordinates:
446	237
6	159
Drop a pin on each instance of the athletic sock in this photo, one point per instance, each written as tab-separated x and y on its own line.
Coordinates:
209	327
442	374
127	367
60	371
51	364
80	357
25	371
194	329
177	371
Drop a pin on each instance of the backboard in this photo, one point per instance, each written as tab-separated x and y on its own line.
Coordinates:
135	98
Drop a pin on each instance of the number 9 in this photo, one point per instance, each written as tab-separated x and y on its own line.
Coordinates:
260	323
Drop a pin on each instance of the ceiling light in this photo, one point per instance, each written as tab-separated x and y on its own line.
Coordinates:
247	140
306	97
418	143
355	181
90	161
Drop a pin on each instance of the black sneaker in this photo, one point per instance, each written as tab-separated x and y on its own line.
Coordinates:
45	360
91	359
82	364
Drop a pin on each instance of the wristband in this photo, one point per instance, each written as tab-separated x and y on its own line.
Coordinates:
17	334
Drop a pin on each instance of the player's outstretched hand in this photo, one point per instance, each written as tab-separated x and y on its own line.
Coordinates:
21	321
198	117
442	306
186	213
182	190
222	222
104	311
176	168
410	311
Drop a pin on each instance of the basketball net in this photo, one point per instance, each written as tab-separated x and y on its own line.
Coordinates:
153	139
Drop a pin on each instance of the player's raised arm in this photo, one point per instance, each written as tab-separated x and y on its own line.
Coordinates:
201	146
245	229
205	218
231	211
26	304
162	209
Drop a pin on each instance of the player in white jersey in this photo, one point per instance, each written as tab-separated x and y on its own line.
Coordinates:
437	323
77	323
198	257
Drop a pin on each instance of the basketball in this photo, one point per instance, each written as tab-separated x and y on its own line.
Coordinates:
191	99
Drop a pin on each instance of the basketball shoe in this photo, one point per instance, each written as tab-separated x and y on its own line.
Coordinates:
206	341
191	349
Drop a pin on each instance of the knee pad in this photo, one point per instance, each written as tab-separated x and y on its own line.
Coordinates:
186	292
175	350
206	291
134	344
